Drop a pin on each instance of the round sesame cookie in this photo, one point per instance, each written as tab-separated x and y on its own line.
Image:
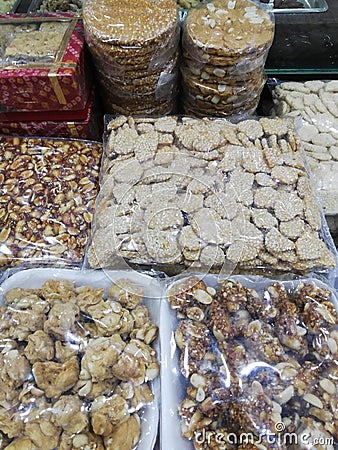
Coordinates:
130	22
229	27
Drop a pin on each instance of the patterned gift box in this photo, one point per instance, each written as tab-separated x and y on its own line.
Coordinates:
83	124
31	81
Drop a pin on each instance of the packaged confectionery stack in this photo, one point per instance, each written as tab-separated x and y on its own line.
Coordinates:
134	46
316	103
225	45
46	85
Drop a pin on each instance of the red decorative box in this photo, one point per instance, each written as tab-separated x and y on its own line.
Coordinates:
42	64
85	124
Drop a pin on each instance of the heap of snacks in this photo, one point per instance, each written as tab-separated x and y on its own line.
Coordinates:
199	193
316	102
75	366
135	50
225	44
48	191
260	364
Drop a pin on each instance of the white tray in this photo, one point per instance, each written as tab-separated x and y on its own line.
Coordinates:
34	278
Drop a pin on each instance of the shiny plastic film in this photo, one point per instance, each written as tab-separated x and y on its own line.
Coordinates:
316	102
225	45
48	192
251	364
35	42
133	47
178	194
79	361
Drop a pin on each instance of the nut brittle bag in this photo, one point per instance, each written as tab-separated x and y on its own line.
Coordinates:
255	364
47	195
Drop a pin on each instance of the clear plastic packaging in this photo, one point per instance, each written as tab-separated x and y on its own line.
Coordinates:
250	363
48	192
133	51
36	42
79	365
42	64
182	194
316	102
222	40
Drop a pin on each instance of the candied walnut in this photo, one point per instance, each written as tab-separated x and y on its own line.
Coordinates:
65	350
105	317
182	294
140	315
125	436
307	377
107	413
85	440
11	423
54	378
40	347
99	357
61	320
70	414
259	337
26	299
253	411
137	362
88	296
129	294
14	368
19	324
319	316
261	307
23	443
231	294
41	429
55	291
142	396
291	335
147	333
220	322
90	390
307	291
193	336
129	367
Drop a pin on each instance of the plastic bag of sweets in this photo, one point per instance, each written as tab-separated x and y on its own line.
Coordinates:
183	193
47	197
79	360
224	40
316	102
133	46
253	364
